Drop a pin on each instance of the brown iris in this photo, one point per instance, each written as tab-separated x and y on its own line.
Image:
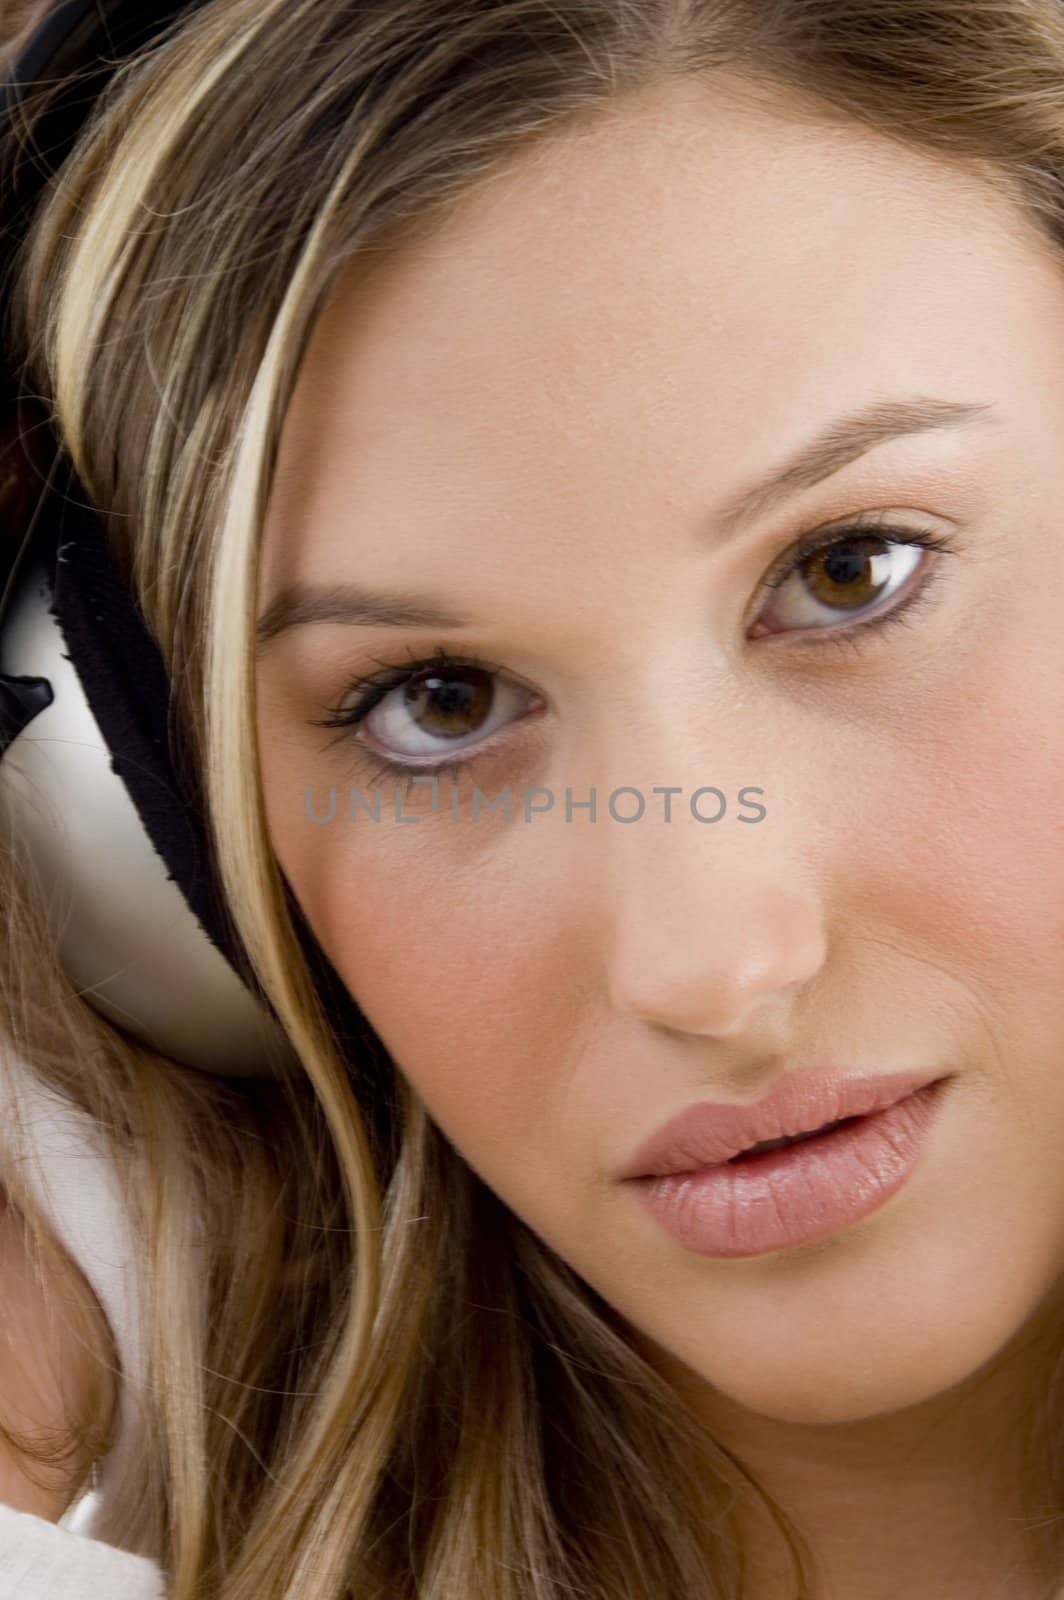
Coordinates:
845	572
451	704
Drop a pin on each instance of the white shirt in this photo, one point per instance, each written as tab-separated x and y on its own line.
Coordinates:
42	1560
76	1187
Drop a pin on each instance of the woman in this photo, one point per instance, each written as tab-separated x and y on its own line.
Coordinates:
578	398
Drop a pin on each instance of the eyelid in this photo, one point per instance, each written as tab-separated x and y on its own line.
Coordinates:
886	525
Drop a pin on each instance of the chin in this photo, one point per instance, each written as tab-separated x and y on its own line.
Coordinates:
888	1355
838	1399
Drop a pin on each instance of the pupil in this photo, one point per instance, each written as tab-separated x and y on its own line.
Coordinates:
844	566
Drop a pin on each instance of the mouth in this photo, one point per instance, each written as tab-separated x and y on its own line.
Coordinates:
765	1145
775	1194
809	1106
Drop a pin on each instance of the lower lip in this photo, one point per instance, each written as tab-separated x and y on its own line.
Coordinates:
791	1196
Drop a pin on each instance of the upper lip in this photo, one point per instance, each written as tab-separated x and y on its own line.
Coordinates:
711	1132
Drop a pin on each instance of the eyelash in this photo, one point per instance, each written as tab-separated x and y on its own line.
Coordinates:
372	688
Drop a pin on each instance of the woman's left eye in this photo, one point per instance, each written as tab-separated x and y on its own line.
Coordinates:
846	574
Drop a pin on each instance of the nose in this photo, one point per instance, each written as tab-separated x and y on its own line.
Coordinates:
709	926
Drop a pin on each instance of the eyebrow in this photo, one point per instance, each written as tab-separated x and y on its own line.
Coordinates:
353	604
842	441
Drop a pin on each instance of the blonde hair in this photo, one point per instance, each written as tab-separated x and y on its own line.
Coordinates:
382	1384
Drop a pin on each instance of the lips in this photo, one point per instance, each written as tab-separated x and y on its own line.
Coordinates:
803	1102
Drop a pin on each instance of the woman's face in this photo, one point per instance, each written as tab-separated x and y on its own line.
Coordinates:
538	425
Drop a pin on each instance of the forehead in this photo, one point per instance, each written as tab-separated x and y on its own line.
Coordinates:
695	268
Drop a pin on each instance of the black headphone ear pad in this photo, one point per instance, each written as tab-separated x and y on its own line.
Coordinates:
121	671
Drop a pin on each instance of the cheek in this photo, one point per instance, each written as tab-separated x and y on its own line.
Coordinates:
976	877
467	979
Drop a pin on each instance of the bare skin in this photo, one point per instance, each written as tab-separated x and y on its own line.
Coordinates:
538	423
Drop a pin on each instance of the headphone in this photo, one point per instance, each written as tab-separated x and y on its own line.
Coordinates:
93	774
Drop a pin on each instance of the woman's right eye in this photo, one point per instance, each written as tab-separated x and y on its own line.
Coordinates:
437	712
422	716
